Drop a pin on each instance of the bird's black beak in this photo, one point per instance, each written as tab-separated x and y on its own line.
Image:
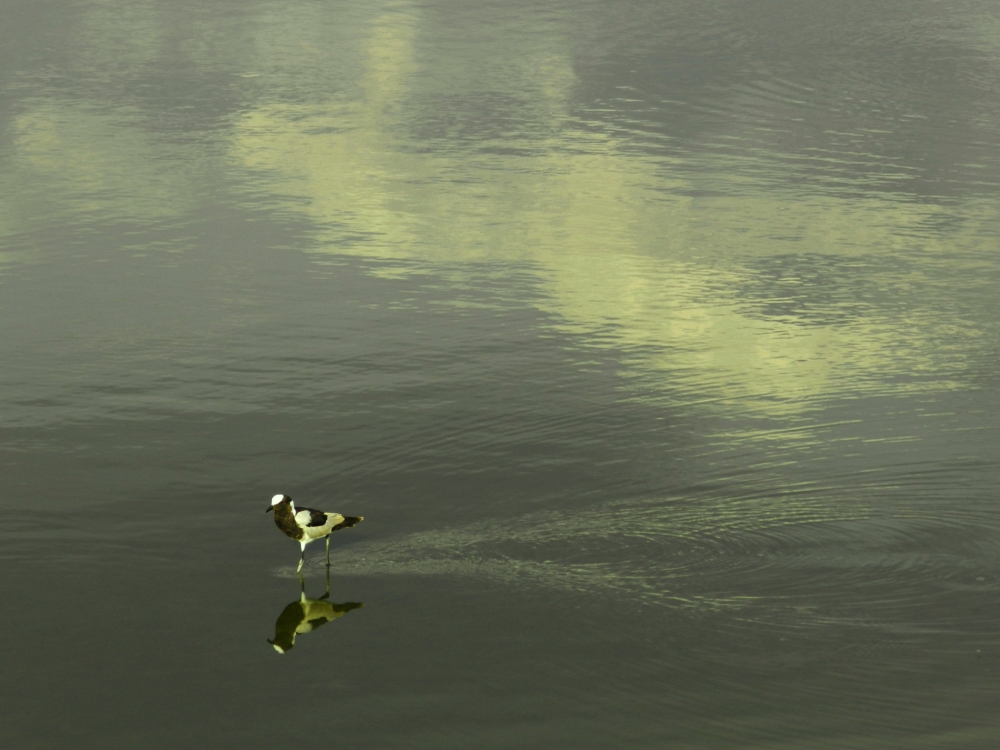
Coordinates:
269	508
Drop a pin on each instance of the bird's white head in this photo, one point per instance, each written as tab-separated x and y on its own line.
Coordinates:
276	501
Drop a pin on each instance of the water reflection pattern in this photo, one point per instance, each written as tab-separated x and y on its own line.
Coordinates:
772	226
304	615
706	263
771	297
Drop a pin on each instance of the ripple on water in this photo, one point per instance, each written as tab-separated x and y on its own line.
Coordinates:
797	561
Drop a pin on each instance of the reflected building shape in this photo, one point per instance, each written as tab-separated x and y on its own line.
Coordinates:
304	615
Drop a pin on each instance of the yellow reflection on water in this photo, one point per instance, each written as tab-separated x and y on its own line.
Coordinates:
699	275
621	243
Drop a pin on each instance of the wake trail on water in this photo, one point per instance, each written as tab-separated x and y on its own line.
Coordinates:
804	556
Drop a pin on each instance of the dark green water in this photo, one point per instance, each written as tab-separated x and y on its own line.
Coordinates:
657	343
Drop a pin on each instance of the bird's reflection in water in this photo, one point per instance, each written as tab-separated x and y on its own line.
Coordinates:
305	615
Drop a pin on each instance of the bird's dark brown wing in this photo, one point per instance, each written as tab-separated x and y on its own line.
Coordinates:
316	517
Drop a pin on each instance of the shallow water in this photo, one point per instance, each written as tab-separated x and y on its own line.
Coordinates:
655	341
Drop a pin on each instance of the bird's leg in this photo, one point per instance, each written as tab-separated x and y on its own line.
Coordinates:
301	559
327	594
328	554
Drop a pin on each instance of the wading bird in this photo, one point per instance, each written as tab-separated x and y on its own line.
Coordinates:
306	525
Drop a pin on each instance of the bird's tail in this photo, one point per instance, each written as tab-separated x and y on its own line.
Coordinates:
348	522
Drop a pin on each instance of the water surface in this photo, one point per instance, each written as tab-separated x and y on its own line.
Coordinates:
656	342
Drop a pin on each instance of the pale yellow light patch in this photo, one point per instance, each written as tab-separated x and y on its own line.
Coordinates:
617	238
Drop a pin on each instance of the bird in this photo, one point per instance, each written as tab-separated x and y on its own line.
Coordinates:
304	615
306	525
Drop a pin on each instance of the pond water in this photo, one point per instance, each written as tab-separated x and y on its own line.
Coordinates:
656	341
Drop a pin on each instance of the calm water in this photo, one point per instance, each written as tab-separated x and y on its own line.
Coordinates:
657	342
